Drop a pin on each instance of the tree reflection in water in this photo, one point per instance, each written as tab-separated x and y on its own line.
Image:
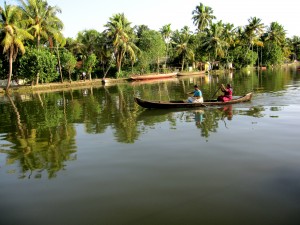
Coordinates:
41	127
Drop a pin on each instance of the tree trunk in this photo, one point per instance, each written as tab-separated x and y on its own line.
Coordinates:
37	78
119	61
182	64
59	65
10	69
70	78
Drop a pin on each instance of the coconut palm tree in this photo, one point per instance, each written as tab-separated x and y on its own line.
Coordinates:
214	40
276	33
202	16
121	38
13	35
254	30
228	36
42	20
294	44
180	41
166	33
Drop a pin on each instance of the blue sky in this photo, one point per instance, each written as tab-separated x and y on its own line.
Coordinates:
93	14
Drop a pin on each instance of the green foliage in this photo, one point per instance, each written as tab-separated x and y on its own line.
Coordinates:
242	57
272	54
89	64
39	62
68	62
152	48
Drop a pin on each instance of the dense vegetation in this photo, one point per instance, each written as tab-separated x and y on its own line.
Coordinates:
35	49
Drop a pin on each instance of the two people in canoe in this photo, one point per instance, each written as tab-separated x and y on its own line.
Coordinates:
197	96
227	93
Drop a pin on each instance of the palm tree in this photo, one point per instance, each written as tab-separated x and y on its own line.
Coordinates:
166	33
42	20
89	40
254	30
121	37
214	40
276	33
180	40
13	35
74	46
294	44
229	37
202	16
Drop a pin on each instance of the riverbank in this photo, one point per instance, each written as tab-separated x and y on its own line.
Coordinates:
60	86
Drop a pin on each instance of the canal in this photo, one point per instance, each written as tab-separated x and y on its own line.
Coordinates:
93	156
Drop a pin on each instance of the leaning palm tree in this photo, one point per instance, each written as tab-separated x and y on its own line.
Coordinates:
13	35
120	35
202	16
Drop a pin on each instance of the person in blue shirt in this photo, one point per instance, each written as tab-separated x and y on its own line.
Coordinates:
197	96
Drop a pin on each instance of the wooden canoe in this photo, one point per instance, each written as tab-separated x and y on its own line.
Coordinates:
183	104
153	76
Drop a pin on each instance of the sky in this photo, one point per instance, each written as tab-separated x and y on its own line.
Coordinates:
94	14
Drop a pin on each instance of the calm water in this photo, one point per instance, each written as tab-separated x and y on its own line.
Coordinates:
92	156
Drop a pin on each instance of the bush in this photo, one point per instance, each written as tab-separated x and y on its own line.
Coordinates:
38	64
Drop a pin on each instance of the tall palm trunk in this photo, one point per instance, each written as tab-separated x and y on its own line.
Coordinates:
10	69
182	64
59	64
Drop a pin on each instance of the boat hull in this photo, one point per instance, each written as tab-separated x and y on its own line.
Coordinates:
153	76
198	73
182	104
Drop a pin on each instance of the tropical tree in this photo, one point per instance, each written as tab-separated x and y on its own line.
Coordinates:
214	40
253	31
68	62
89	40
152	49
74	46
166	33
13	35
180	41
294	44
202	16
90	64
276	33
121	37
273	54
42	20
38	62
228	38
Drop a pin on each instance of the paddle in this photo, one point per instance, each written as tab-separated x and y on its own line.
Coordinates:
216	92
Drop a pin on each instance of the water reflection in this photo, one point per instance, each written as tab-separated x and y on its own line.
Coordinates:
38	131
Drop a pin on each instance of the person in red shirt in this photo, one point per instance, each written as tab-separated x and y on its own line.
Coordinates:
227	96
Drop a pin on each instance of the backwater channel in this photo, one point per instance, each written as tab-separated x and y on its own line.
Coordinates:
93	156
